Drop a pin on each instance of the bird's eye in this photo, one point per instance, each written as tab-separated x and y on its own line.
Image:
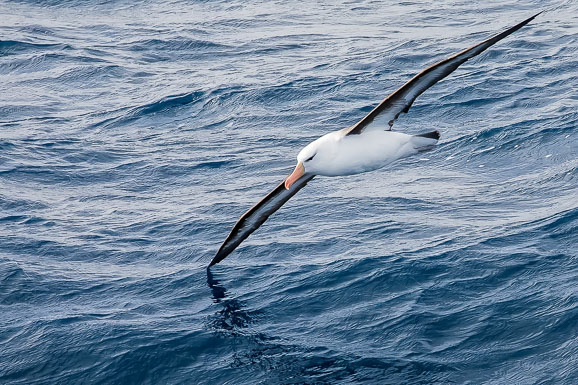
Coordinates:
312	156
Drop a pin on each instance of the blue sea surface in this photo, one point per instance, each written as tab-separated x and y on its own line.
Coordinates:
133	134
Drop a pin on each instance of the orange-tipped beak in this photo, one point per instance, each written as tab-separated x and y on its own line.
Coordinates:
296	174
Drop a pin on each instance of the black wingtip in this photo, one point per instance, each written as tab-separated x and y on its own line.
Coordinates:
523	23
431	135
537	14
218	258
530	19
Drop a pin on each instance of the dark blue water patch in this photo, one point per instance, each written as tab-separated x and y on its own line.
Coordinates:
276	48
178	43
6	145
33	30
25	220
92	75
13	218
13	47
561	219
33	63
562	228
181	48
167	103
214	164
42	175
382	229
94	155
13	113
289	91
170	102
19	204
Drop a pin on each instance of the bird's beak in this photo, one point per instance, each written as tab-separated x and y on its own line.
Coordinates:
295	175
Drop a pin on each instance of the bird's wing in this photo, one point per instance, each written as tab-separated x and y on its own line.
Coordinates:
383	116
257	215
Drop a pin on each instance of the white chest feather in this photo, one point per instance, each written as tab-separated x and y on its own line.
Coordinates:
360	153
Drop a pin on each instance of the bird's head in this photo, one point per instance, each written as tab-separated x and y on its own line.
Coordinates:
311	159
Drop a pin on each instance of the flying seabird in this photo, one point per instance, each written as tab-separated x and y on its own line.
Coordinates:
368	145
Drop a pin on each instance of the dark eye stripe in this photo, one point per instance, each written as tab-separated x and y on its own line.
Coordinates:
312	156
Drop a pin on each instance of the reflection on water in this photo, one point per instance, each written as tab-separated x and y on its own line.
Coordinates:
231	316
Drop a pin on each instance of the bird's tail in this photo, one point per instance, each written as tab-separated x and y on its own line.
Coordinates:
426	141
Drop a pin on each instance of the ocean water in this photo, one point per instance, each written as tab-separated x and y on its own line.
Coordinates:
133	134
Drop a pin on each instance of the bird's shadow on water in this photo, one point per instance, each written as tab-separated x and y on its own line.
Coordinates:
272	359
232	318
233	322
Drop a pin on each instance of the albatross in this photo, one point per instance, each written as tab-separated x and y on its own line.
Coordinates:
368	145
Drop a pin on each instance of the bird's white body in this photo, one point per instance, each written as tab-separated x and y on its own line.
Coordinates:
335	154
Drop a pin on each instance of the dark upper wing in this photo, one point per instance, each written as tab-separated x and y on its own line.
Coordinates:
401	100
257	215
